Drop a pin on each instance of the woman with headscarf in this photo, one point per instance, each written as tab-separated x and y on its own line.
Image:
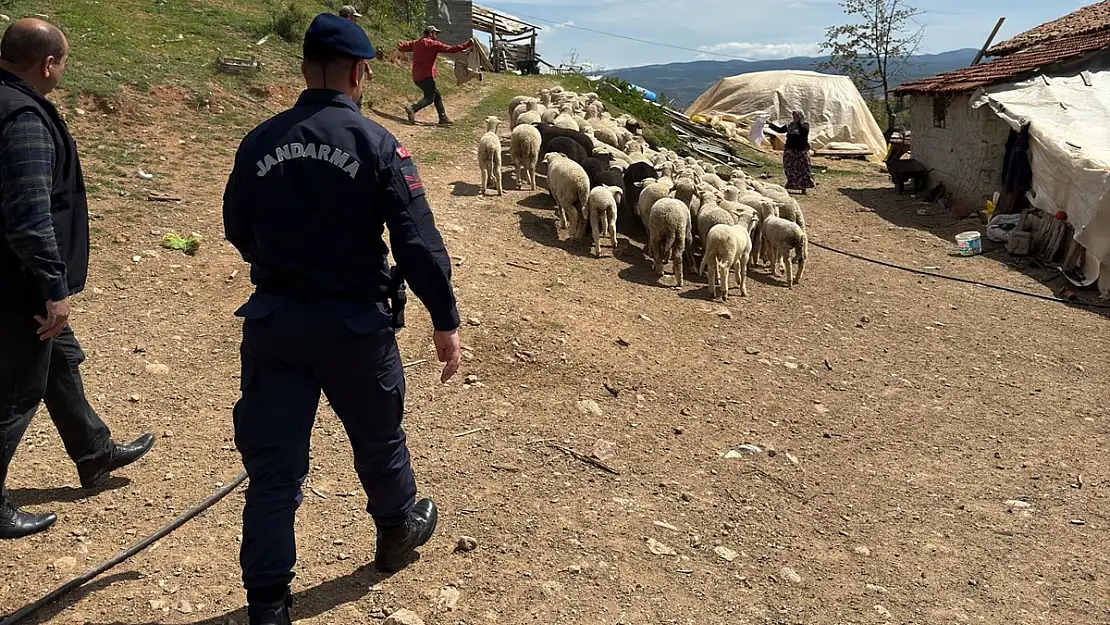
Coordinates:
795	158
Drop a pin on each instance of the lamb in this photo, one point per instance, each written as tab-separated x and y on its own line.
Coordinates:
787	205
531	116
515	102
781	237
601	205
766	208
714	180
651	191
524	147
566	121
550	115
489	156
667	228
727	248
571	189
532	105
711	214
615	178
568	147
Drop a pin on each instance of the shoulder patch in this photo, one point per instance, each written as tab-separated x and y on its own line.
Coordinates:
412	180
403	152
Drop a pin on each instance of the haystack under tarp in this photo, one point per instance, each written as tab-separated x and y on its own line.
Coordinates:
836	111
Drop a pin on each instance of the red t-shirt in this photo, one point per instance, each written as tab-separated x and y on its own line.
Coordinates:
424	52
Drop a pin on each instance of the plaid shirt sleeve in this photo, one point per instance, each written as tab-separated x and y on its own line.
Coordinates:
26	180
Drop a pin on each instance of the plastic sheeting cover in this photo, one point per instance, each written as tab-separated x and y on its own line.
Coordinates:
1069	148
834	108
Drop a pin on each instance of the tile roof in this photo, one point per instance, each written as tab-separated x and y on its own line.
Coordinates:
1085	20
1011	66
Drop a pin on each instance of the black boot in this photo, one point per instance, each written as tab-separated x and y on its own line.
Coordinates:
273	613
15	523
396	544
120	456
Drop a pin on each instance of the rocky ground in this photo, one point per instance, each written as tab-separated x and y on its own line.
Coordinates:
925	451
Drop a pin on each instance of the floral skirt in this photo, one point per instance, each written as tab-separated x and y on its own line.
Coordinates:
799	175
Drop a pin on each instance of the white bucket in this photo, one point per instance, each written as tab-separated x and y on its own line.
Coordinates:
969	243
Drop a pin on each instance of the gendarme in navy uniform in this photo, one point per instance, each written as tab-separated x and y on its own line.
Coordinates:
307	203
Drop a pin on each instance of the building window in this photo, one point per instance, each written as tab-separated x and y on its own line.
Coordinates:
940	109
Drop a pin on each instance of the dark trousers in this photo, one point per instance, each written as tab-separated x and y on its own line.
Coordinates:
32	371
291	351
431	96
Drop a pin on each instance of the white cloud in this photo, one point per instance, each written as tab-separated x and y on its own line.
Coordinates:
759	51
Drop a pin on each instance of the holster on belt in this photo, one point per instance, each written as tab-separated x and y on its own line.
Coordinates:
398	297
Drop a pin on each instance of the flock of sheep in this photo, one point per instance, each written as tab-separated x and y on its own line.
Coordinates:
601	170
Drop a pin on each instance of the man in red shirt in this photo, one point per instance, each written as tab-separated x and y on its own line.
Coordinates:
424	53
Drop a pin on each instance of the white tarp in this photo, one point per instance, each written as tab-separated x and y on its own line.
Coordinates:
834	108
1069	138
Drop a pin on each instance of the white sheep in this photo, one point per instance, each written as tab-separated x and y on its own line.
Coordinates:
652	190
714	180
565	120
524	147
727	248
570	186
782	237
515	102
667	228
489	156
601	205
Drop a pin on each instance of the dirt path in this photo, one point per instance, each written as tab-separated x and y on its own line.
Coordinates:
896	417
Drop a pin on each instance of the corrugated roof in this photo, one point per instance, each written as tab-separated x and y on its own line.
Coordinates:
1010	66
1089	18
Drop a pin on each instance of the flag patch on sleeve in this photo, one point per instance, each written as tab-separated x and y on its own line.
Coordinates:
403	152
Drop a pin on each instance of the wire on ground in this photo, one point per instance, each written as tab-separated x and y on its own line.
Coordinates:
922	272
123	556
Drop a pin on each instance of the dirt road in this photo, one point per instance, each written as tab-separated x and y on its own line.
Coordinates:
898	418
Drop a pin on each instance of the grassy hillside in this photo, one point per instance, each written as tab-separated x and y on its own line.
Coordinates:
139	44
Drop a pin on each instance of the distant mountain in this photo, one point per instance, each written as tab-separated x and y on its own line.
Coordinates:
684	82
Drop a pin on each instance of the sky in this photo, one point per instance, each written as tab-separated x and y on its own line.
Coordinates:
760	30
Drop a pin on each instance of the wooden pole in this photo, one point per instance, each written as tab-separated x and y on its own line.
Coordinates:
990	40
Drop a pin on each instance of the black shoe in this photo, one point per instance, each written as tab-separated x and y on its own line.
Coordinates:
411	115
446	122
120	456
15	523
276	613
397	544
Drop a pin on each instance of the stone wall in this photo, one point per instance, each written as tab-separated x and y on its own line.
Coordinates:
966	153
460	28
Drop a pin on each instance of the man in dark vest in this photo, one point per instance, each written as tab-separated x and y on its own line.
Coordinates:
44	259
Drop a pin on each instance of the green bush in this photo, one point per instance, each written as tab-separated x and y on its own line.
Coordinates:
288	19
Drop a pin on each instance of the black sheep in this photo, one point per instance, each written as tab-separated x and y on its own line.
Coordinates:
568	147
593	167
550	132
637	172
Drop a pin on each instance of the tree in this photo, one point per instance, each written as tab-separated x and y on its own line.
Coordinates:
874	50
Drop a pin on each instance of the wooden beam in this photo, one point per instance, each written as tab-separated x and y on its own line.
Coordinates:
990	40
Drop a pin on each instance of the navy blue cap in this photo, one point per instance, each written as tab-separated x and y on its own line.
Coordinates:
331	33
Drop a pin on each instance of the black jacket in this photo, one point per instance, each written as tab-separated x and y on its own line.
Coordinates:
20	285
308	201
797	135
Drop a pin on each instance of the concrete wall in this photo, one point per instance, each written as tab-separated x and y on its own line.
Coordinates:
460	28
966	154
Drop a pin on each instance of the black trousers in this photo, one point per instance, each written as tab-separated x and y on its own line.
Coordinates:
431	96
292	350
33	371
